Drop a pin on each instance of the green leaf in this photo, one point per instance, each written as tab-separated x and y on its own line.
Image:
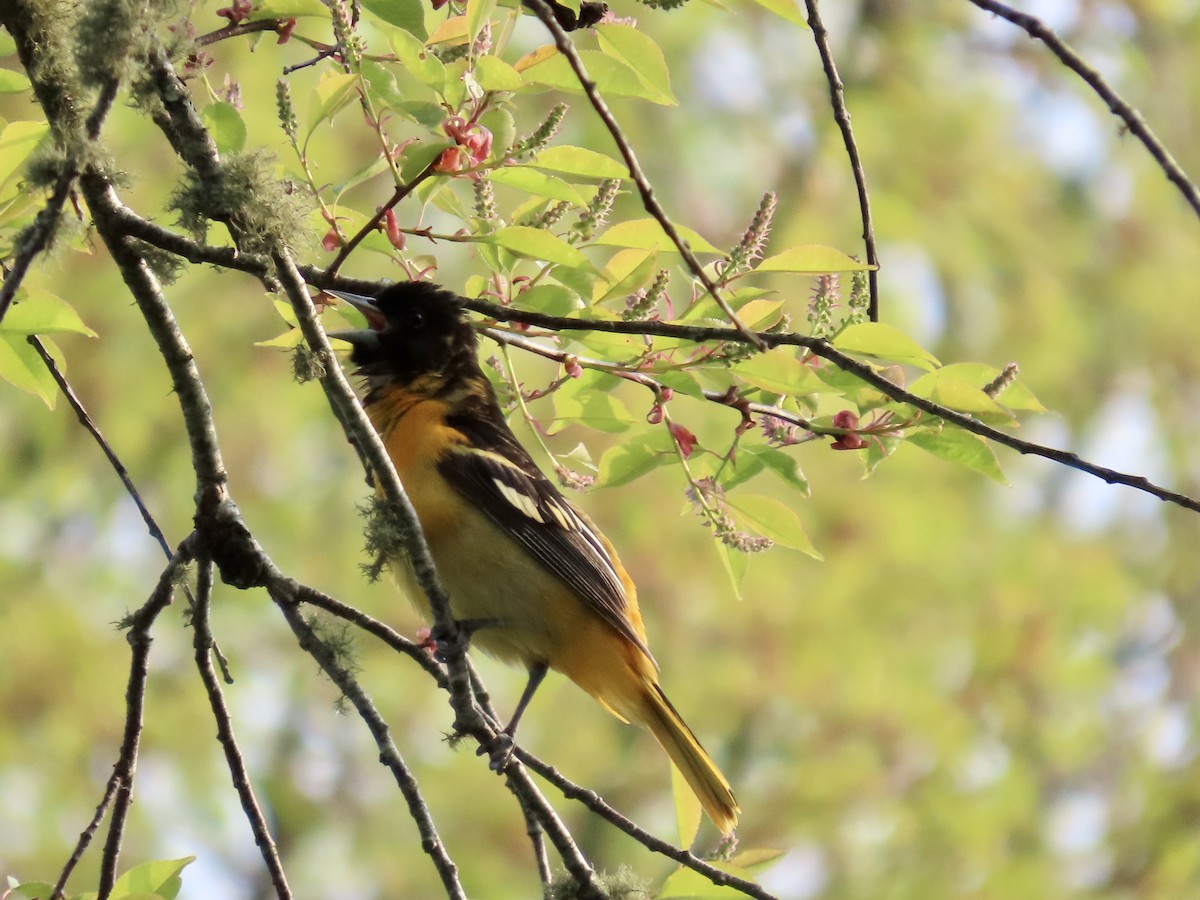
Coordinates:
419	156
631	459
580	161
417	58
587	400
735	563
611	76
551	299
533	243
647	234
772	519
753	460
810	259
40	312
881	341
406	14
978	375
290	339
333	91
159	877
626	272
958	395
12	82
225	123
534	182
499	122
21	366
17	141
785	9
687	808
961	447
780	372
638	51
494	74
478	12
30	890
286	9
687	884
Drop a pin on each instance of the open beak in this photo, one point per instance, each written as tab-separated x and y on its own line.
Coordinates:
369	336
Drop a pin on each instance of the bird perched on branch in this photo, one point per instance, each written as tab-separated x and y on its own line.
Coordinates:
529	577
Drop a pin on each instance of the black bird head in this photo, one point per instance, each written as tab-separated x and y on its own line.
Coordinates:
415	329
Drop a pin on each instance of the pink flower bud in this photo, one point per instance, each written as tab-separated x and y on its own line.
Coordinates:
845	419
655	416
285	29
331	241
392	229
684	438
848	442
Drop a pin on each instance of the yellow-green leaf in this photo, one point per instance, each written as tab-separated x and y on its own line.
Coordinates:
881	341
647	234
40	312
21	366
687	808
612	77
772	519
532	181
962	447
637	50
333	91
780	372
810	259
785	9
580	161
494	74
534	243
406	14
418	59
626	272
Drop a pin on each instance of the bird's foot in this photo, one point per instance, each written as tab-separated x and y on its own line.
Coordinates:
456	638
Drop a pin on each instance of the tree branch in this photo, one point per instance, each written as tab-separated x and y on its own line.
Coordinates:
288	603
841	115
544	12
822	348
139	639
203	644
1038	30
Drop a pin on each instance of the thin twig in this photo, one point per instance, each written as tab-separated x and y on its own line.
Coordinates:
1133	120
90	426
203	643
372	223
139	639
85	838
563	43
822	348
389	755
596	804
837	99
354	419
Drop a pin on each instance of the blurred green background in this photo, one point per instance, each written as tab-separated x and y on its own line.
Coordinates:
983	691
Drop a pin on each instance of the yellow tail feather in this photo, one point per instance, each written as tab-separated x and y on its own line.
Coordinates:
698	769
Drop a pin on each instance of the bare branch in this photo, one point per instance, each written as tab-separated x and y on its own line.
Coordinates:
203	644
389	755
544	12
135	698
593	801
1038	30
841	115
821	347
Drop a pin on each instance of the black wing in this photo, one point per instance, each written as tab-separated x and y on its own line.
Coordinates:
496	474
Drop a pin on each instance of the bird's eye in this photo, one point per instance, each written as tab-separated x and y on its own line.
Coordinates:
416	319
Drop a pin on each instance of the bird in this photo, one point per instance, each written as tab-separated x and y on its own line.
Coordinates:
531	579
